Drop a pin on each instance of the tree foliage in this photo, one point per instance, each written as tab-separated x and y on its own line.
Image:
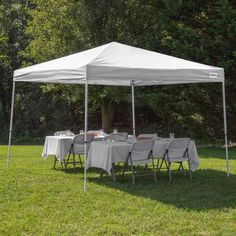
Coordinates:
198	30
13	18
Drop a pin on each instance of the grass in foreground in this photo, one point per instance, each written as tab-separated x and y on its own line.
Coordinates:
37	200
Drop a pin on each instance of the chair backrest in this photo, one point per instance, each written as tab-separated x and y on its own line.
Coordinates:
124	134
58	133
177	147
79	139
117	137
141	150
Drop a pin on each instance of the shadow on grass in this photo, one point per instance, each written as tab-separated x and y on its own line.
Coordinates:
70	170
209	189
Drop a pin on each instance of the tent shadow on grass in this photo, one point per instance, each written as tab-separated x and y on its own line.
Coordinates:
209	189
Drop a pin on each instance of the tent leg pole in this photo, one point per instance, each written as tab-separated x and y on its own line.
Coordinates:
85	133
11	124
133	108
225	129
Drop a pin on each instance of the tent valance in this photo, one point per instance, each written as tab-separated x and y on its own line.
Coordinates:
118	64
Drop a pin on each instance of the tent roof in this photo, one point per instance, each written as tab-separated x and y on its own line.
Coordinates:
119	64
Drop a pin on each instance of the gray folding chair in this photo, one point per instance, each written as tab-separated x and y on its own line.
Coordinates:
141	153
124	135
117	137
176	152
58	133
77	147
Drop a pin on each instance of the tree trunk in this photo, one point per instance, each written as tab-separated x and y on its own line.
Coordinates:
107	115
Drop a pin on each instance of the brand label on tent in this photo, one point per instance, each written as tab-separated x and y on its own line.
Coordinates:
213	75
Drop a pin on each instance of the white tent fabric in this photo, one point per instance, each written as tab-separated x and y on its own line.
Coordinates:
118	64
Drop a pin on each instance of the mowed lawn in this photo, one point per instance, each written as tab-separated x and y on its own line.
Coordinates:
37	200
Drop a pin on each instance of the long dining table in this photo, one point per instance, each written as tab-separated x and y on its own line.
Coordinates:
104	154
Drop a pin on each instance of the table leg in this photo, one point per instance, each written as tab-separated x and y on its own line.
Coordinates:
62	165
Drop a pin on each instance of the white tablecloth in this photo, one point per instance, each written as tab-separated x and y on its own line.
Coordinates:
160	147
58	146
102	154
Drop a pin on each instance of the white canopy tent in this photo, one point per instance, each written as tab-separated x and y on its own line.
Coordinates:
120	65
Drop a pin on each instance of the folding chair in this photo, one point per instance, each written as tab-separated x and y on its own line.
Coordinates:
77	147
176	152
124	135
63	133
141	153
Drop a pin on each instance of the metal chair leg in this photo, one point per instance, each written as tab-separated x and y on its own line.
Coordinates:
169	170
158	160
132	169
154	172
73	150
145	168
125	165
80	161
62	165
64	162
68	158
54	163
181	168
167	164
101	173
113	173
74	160
159	169
190	173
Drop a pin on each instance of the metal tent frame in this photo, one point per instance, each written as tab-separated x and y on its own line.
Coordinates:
132	84
120	65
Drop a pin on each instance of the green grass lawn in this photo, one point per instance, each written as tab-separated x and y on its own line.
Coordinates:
37	200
